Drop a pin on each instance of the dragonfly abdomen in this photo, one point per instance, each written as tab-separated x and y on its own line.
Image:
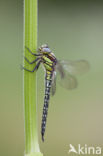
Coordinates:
48	82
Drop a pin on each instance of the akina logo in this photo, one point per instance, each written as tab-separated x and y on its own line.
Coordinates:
85	149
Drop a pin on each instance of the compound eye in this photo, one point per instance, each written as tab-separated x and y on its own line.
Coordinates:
46	50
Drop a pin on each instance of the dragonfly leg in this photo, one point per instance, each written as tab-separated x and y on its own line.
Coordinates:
36	67
38	64
32	52
32	61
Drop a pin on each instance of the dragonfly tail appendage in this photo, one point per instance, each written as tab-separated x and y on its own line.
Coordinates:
48	81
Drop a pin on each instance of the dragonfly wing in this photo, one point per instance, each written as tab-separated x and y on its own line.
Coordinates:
75	67
53	86
65	79
68	82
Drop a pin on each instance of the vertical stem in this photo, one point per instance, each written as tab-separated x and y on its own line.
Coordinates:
30	107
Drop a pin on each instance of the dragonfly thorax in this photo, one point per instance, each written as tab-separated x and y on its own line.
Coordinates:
47	58
49	61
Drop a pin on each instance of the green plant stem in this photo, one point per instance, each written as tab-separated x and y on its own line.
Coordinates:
30	107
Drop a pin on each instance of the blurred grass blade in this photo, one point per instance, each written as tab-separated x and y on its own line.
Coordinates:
30	107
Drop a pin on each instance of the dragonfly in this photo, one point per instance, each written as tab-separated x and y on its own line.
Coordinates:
63	70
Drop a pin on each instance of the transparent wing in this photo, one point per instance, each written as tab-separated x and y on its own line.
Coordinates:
53	86
68	82
65	79
75	67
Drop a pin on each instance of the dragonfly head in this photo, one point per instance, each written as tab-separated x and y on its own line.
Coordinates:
44	49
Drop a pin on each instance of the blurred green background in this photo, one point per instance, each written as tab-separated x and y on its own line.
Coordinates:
73	30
